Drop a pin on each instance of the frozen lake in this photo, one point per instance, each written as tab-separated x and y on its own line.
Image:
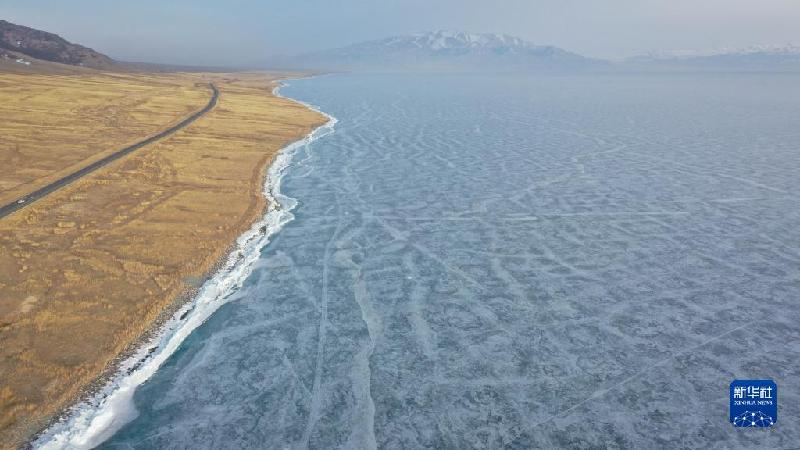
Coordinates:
565	261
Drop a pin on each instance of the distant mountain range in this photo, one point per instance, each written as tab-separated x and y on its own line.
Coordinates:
448	50
431	51
17	41
756	58
443	50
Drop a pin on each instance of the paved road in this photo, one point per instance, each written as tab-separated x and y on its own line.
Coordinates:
60	183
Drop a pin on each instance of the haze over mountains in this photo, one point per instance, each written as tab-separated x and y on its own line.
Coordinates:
431	51
755	58
448	50
444	50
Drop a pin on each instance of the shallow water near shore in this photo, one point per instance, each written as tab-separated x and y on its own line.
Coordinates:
476	261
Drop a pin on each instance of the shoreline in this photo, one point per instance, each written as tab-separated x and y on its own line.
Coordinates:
106	404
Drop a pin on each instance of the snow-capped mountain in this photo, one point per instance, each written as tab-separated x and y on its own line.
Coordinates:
445	50
757	57
449	40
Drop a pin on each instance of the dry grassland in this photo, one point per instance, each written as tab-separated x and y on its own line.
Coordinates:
87	270
53	125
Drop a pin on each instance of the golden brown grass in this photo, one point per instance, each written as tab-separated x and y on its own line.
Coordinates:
85	271
53	125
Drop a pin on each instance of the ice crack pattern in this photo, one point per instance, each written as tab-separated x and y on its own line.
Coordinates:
501	262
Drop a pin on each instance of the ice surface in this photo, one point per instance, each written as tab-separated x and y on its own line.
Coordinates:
503	262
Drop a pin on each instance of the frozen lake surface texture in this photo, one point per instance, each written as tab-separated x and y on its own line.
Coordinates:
475	261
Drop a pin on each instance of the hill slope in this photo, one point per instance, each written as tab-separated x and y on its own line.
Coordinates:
18	40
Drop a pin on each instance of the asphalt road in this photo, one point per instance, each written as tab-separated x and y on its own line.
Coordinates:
22	202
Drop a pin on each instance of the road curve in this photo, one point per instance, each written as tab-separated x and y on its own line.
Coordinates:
60	183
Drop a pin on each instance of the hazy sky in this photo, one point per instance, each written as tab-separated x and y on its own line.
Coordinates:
248	31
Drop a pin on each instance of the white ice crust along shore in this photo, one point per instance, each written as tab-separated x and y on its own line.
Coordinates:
90	423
